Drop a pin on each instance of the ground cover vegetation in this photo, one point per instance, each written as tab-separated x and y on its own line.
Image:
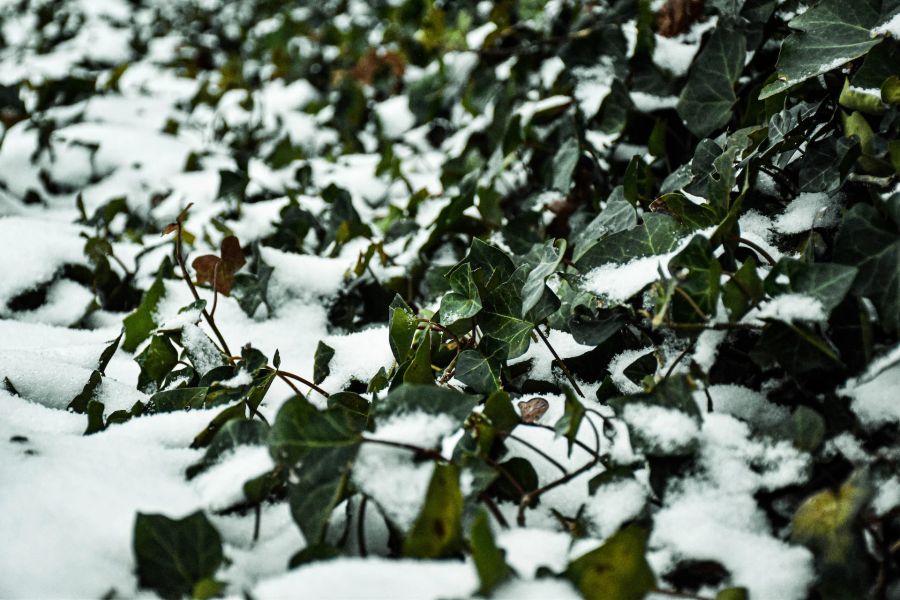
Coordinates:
411	298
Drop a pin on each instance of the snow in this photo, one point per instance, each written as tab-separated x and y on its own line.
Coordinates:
622	361
614	504
891	27
874	393
791	308
808	211
374	578
395	116
619	282
528	549
665	429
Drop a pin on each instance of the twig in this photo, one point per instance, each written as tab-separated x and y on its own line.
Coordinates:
529	498
215	288
421	452
304	381
543	454
691	301
758	249
562	364
492	506
290	384
678	359
361	527
187	277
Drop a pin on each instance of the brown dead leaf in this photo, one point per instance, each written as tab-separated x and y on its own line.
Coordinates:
210	267
677	16
533	409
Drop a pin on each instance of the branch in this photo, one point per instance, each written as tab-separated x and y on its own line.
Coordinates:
562	364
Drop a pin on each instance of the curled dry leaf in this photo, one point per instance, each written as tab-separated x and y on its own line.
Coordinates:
210	267
677	16
533	409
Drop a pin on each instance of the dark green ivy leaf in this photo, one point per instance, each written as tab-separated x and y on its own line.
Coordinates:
489	559
323	356
141	323
437	532
617	570
174	555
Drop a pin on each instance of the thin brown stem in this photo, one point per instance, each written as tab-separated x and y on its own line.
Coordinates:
579	443
495	511
361	527
187	278
560	362
534	448
529	498
758	249
215	287
303	380
678	359
290	384
421	452
689	300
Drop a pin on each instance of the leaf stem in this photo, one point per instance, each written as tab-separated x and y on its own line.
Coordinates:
302	380
543	454
562	364
361	527
429	453
758	249
187	278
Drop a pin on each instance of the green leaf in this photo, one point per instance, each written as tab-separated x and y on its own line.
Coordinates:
489	559
321	360
321	485
80	402
618	215
401	330
301	432
708	97
141	323
174	555
829	34
826	282
743	291
733	593
463	301
830	524
430	399
697	273
570	422
826	163
156	361
617	570
251	286
179	399
658	234
437	531
95	417
419	368
478	372
236	432
543	261
871	243
564	162
108	353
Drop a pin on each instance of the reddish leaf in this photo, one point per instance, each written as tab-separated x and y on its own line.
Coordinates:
210	267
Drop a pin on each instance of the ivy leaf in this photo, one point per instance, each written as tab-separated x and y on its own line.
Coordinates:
708	97
658	234
419	370
543	261
617	570
179	399
826	282
108	352
463	301
489	559
220	269
321	484
569	424
79	403
430	399
324	354
402	325
830	524
743	291
235	433
301	432
156	361
872	244
175	555
618	215
437	531
826	163
478	372
829	34
564	162
698	273
251	288
141	323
